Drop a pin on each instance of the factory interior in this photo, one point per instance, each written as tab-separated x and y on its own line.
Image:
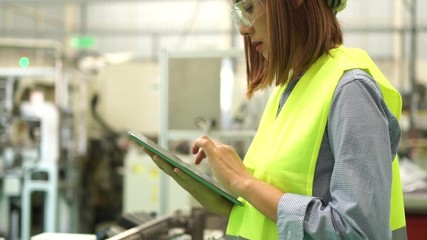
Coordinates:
77	75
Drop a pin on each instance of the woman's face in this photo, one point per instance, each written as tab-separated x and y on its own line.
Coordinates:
251	19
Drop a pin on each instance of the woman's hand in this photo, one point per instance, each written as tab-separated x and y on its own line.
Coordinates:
206	196
225	163
228	168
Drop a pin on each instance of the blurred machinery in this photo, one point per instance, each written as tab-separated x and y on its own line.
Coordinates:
36	135
413	145
197	224
101	185
49	165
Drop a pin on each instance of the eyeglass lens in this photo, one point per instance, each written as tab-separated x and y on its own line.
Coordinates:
247	11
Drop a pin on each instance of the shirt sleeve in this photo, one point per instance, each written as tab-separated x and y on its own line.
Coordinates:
359	128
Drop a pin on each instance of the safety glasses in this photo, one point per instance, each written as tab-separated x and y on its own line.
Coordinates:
246	12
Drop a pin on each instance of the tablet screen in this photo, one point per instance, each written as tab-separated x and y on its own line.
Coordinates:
191	170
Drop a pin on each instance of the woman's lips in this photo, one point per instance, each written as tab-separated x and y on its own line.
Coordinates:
258	46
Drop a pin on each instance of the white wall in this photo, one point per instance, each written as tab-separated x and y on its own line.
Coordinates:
129	96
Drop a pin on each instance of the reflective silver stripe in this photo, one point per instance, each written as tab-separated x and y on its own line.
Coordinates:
399	234
229	237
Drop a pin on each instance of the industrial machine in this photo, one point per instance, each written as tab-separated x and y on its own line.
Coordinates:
49	167
197	224
36	135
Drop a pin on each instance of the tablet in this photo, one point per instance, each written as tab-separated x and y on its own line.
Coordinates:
191	170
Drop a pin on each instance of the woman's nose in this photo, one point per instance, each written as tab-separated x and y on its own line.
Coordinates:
245	30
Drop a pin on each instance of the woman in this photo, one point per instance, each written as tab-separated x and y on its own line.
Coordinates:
323	163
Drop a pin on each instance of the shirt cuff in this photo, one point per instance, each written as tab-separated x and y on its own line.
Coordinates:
290	215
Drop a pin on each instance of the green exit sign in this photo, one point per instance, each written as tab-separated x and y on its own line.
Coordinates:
82	42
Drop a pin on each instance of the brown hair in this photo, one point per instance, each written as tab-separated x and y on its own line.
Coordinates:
300	31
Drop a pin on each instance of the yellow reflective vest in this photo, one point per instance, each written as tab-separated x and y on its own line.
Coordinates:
285	148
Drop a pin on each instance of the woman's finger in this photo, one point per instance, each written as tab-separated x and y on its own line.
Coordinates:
163	165
151	154
182	175
202	147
